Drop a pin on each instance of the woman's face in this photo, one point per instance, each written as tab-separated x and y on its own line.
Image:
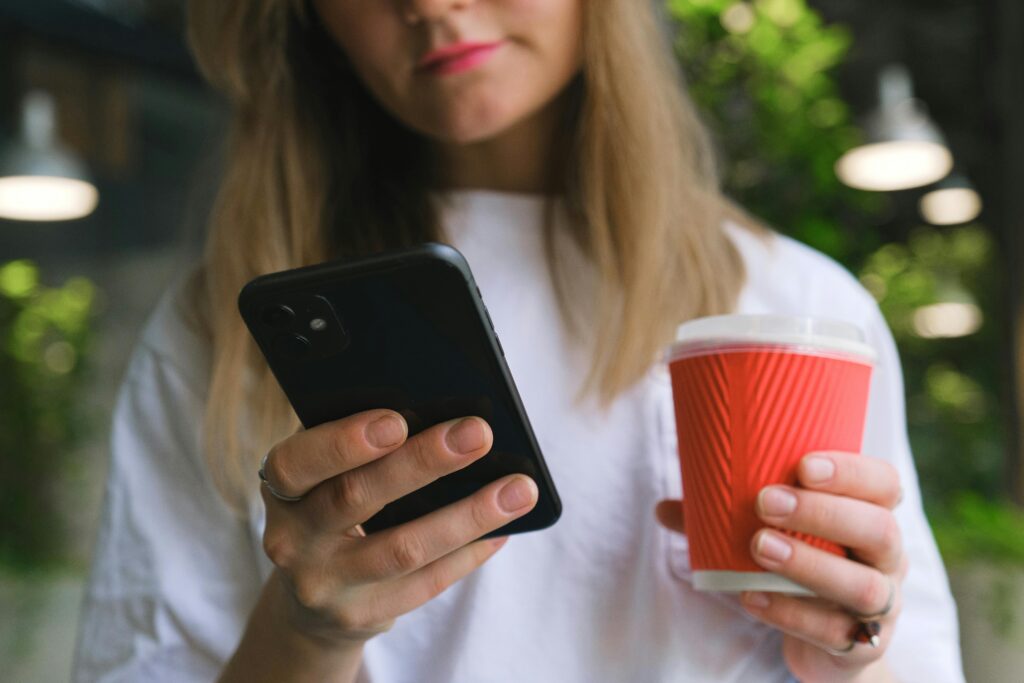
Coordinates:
459	71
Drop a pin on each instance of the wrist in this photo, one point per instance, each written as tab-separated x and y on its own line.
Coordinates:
304	628
273	648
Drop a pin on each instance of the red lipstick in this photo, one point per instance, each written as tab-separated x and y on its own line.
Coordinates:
456	57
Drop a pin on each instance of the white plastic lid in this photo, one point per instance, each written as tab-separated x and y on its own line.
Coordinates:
814	334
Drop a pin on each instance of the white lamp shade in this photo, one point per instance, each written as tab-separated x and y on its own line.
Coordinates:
904	149
894	165
40	180
951	205
947	320
46	198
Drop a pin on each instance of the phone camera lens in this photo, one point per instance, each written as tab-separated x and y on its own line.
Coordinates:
293	346
278	316
318	324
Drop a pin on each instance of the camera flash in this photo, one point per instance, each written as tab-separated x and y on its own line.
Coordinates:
317	324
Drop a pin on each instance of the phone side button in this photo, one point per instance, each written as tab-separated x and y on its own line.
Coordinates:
498	339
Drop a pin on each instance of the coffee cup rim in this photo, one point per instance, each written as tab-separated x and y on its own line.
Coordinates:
702	335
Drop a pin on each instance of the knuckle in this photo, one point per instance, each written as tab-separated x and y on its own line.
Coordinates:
872	595
352	620
421	455
437	582
892	475
820	514
349	492
406	553
481	516
815	564
889	536
341	444
837	631
278	547
787	613
309	592
278	471
904	567
890	472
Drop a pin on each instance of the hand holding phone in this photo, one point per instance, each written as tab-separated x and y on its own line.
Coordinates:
344	585
405	331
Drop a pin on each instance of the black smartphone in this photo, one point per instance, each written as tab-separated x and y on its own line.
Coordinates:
405	330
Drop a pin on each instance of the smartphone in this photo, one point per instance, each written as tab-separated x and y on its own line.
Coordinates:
408	331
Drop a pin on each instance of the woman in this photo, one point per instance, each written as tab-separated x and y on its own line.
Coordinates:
550	142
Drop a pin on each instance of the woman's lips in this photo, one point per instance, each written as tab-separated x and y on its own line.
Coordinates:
455	58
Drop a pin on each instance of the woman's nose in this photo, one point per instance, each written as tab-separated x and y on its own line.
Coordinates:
415	11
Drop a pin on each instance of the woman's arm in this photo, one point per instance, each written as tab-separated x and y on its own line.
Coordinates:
271	650
176	591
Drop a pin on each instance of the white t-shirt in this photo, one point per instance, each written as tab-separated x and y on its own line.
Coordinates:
603	595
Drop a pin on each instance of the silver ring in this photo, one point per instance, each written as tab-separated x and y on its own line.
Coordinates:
274	492
863	632
885	610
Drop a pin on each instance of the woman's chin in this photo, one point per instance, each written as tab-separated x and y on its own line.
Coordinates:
468	125
463	133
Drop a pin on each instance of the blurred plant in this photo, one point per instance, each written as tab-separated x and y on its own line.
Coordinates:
952	384
44	334
978	533
762	71
977	529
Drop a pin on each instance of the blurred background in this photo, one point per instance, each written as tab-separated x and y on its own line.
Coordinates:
887	133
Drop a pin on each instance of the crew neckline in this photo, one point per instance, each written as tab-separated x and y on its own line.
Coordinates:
468	196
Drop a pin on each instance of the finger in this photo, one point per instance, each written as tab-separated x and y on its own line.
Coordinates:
670	514
309	457
406	548
819	623
854	586
849	474
869	529
394	598
357	495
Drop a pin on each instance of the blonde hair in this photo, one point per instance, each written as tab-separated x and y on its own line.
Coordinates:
638	184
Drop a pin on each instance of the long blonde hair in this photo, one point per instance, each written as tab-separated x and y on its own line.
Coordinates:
309	145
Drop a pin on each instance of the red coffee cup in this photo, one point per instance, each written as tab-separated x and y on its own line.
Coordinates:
754	394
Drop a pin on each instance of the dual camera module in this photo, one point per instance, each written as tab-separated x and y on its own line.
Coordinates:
305	327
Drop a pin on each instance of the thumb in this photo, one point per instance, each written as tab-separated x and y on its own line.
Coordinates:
670	514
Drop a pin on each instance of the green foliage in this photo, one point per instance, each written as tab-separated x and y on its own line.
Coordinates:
44	332
974	529
952	397
761	71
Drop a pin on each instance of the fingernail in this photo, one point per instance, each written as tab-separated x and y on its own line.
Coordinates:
465	436
757	600
770	546
776	502
499	541
386	431
517	494
818	470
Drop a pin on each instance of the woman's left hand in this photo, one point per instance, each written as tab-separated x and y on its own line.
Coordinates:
848	499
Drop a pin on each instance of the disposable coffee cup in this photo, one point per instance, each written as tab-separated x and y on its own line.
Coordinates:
753	395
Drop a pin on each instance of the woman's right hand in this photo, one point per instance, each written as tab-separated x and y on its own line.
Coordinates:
345	587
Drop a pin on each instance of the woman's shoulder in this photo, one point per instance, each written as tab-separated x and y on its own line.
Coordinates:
174	335
789	277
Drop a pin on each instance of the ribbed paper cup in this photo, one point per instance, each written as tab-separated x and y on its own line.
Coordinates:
753	395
